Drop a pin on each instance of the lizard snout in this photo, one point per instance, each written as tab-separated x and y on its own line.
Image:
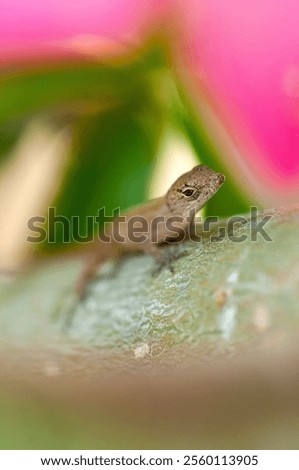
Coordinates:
220	178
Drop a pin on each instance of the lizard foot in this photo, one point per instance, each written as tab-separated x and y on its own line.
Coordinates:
166	259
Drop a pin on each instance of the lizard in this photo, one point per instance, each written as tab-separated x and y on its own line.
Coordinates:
165	219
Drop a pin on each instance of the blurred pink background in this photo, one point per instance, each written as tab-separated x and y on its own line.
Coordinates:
240	59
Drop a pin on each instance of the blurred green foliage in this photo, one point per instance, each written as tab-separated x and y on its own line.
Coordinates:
9	134
229	200
117	114
111	166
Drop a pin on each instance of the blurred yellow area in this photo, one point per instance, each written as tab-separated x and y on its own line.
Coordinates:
175	157
29	180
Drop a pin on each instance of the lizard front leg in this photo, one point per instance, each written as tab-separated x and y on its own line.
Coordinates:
163	257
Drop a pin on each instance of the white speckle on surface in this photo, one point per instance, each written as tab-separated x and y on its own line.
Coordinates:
51	369
228	321
224	298
261	318
233	277
141	351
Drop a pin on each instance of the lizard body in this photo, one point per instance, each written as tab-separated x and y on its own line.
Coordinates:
159	221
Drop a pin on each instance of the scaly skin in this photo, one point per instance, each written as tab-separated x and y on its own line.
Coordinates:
159	221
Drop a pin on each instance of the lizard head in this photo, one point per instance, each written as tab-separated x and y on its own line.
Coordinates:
193	189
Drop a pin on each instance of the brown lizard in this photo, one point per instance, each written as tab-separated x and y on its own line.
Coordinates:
162	220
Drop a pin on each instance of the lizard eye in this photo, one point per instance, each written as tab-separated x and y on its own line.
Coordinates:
188	192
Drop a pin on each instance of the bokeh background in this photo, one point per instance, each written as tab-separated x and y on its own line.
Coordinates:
106	102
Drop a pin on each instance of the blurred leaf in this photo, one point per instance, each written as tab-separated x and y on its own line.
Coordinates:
180	113
112	163
229	200
27	92
9	134
122	111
